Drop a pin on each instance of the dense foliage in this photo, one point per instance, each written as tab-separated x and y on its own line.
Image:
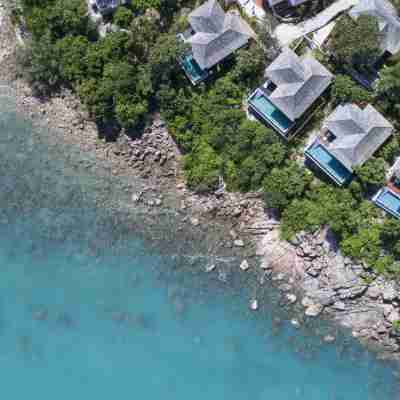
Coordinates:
345	90
347	45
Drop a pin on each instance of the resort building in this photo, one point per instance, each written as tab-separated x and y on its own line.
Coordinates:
388	22
293	85
349	137
214	35
388	197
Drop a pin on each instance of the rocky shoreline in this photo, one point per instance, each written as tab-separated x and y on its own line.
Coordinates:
310	271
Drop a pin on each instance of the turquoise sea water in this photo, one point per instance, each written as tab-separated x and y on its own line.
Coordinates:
91	308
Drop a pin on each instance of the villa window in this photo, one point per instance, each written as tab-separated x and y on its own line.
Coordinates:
330	137
271	86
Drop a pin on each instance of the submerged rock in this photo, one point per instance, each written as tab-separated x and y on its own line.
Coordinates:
179	306
40	315
145	321
119	316
65	319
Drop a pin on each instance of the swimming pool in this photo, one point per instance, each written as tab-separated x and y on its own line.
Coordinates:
330	165
192	69
389	201
260	104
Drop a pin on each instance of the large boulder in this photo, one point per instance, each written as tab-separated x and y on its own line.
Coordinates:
314	310
389	293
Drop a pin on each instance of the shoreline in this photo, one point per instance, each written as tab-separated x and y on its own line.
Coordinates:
309	272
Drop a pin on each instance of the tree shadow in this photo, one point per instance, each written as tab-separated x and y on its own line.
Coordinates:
332	240
109	131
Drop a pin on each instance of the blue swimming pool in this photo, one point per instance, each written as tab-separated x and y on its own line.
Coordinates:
192	69
260	104
329	164
389	201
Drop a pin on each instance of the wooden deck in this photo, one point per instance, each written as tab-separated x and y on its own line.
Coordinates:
393	188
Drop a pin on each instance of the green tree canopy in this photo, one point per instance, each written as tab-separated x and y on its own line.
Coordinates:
202	167
356	42
345	90
372	173
123	17
285	184
388	88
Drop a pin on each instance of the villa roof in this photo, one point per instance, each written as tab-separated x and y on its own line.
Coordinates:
388	21
299	82
358	134
217	34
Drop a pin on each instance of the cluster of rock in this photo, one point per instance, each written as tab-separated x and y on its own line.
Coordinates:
153	152
367	304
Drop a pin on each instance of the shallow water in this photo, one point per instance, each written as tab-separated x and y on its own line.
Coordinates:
91	308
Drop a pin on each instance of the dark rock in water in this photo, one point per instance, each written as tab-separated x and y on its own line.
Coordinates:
144	321
197	340
40	315
179	306
65	320
120	316
25	344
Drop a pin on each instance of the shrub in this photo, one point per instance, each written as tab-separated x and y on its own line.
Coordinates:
285	184
72	53
202	167
396	326
365	245
123	17
345	90
390	150
390	235
347	44
40	65
372	174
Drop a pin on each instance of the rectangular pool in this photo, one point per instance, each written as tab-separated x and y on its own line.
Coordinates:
260	104
329	164
389	201
192	69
